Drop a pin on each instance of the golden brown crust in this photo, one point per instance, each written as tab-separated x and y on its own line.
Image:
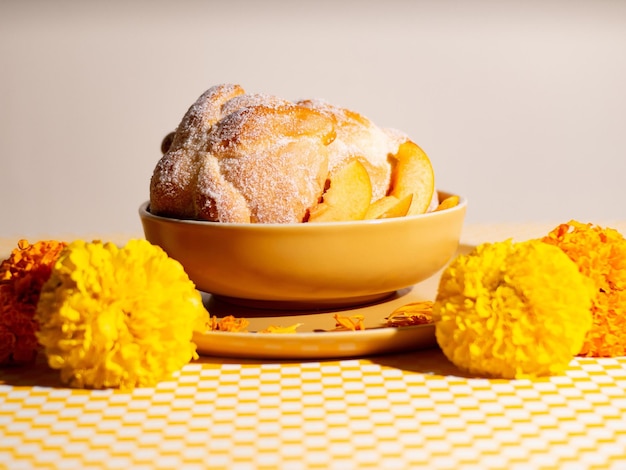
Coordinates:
238	157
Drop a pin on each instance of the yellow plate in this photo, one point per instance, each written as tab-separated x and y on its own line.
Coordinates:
314	340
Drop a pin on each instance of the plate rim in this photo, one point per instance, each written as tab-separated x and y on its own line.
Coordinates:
316	345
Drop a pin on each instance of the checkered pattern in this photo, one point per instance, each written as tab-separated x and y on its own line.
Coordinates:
409	411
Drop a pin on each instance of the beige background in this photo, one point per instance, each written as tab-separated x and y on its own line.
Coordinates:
520	105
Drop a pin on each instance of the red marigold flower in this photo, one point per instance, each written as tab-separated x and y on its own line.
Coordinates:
22	276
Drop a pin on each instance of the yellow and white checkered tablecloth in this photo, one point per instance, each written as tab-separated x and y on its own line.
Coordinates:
414	410
409	411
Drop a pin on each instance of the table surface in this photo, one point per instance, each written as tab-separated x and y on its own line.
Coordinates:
411	410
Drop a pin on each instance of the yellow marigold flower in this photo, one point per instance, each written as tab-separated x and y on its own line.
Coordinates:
512	310
600	254
22	275
118	317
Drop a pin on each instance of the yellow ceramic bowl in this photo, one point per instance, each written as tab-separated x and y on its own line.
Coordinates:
317	265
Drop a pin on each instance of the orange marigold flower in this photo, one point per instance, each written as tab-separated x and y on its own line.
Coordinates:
22	275
600	254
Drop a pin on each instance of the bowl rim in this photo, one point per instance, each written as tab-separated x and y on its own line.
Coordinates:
144	212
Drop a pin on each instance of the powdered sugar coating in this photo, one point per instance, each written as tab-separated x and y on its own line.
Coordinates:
276	158
250	100
174	182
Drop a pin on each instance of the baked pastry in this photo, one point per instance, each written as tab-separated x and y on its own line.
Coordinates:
239	157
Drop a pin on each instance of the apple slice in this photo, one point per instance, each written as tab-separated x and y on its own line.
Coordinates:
413	174
348	196
448	203
388	207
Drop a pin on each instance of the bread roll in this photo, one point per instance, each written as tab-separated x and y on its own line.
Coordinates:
238	157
